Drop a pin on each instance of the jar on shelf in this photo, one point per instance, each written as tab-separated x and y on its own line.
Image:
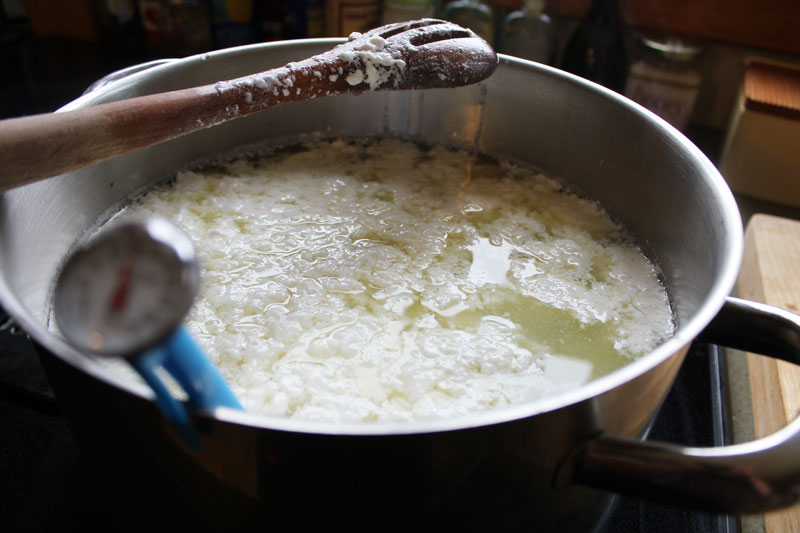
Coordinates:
666	79
404	10
476	15
529	33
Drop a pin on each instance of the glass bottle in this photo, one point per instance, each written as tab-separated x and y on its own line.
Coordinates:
404	10
303	18
343	17
232	22
472	14
596	51
665	78
529	33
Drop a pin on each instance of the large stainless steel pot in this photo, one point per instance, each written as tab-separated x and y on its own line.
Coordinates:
524	467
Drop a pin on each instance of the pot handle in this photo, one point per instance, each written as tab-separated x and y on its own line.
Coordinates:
757	476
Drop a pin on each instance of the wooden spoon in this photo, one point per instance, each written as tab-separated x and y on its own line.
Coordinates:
421	54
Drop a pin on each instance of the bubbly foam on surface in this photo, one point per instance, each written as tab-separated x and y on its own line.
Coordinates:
365	281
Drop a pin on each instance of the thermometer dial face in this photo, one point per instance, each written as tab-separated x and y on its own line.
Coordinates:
128	289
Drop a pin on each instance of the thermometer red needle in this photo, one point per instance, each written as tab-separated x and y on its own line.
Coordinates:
120	295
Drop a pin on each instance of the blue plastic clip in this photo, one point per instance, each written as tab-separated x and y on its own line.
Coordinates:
186	362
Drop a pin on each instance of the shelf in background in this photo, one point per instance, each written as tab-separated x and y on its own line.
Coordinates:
770	25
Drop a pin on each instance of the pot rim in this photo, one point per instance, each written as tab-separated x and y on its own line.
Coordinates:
683	336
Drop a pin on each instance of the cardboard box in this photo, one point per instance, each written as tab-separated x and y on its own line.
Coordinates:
761	155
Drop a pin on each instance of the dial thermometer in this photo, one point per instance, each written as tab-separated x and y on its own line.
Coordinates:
124	294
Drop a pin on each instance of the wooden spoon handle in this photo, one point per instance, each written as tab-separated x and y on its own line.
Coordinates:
422	54
39	146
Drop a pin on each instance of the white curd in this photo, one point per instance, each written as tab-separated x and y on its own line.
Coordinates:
366	281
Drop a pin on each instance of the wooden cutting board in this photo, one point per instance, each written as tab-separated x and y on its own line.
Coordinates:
771	274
